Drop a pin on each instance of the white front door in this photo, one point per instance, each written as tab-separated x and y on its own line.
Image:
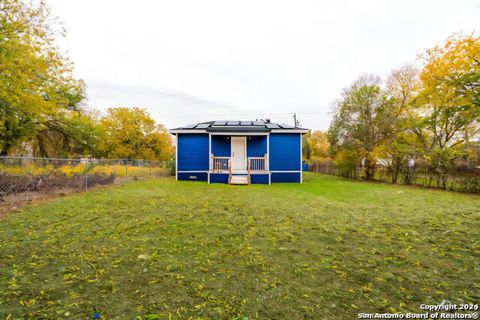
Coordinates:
239	153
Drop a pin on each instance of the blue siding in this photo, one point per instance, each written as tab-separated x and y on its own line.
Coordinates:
193	155
192	152
259	178
285	177
256	146
285	152
219	178
221	146
194	176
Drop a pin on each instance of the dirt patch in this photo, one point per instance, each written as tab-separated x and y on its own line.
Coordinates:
18	191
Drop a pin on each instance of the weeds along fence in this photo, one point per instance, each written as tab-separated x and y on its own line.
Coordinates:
463	179
25	178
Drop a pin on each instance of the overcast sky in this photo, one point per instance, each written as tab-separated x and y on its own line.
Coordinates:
192	61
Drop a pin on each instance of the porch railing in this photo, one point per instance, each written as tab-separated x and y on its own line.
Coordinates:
221	164
254	164
257	164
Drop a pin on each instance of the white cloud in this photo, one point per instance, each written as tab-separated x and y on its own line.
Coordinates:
188	61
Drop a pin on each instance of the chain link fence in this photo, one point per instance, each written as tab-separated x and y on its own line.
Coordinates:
23	179
463	179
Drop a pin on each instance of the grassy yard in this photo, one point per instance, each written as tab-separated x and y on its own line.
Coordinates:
325	249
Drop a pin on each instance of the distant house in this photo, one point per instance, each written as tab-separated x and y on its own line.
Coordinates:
239	152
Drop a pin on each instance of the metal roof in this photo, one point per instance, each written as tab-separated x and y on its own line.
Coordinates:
236	126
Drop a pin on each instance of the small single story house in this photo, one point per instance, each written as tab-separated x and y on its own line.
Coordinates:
239	152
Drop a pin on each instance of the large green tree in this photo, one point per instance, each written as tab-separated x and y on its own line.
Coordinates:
39	98
67	134
402	149
364	119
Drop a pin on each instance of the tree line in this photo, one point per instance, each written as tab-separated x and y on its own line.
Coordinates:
428	117
42	105
425	117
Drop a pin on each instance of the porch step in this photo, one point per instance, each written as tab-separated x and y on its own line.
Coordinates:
239	179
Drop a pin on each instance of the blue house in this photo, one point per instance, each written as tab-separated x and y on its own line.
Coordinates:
239	152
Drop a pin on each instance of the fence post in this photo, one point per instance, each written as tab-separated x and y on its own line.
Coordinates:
85	173
126	168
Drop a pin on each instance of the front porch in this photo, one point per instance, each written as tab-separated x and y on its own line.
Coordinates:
237	159
223	166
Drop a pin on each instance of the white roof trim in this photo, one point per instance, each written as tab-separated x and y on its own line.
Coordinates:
289	131
173	131
243	133
246	133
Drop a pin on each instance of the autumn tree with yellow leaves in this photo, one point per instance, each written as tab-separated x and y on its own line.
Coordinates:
447	107
39	98
429	116
41	104
315	145
131	133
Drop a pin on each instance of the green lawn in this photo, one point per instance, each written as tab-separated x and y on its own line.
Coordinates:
325	249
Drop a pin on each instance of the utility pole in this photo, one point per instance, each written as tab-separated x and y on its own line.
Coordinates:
295	120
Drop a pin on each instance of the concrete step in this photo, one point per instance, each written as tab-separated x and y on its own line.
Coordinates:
239	179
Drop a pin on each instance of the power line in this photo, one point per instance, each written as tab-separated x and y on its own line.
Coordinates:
245	114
